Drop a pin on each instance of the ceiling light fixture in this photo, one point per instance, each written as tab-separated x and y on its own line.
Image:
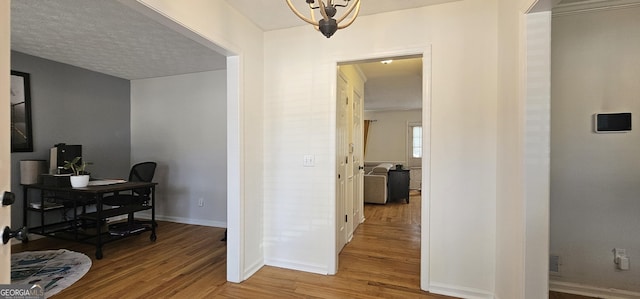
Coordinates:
386	61
327	24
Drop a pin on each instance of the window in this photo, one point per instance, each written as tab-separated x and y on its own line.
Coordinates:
417	142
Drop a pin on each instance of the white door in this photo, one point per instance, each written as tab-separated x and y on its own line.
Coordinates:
358	160
5	145
342	160
349	198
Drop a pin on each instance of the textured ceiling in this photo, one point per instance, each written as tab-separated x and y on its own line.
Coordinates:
106	36
109	37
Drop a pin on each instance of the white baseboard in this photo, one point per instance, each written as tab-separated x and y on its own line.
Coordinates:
458	291
280	263
253	269
192	221
591	291
183	220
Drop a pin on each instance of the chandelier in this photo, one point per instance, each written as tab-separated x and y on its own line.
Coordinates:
327	24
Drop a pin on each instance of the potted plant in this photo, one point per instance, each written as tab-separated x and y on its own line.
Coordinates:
79	178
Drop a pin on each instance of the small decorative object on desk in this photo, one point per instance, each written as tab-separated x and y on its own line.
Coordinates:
80	177
399	166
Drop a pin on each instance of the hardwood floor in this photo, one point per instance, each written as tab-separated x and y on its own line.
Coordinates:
556	295
189	261
185	261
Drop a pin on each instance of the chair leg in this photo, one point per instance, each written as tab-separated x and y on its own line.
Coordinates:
130	219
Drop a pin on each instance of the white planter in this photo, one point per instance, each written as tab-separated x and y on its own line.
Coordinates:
79	181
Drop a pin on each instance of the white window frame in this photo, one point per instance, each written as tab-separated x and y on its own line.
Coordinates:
411	161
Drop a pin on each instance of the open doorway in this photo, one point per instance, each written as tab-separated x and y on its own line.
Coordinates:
203	204
379	105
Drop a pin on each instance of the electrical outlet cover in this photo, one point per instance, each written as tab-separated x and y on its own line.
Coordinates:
619	252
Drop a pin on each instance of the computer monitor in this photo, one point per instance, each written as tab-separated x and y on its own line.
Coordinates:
62	152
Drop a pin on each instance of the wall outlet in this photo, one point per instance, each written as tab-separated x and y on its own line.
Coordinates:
554	264
619	253
201	202
623	263
621	259
309	161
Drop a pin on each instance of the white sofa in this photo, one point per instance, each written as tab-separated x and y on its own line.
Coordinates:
375	184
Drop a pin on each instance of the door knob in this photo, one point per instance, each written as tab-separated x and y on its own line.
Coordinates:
8	198
20	235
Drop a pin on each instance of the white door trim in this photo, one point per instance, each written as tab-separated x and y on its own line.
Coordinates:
425	51
5	154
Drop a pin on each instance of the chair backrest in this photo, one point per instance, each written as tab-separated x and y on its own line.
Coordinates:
142	172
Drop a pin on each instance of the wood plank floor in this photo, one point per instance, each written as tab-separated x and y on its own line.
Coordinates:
556	295
189	261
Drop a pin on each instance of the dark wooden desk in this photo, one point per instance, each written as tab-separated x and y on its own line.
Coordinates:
74	198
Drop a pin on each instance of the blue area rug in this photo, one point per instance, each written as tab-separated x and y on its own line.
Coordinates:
53	270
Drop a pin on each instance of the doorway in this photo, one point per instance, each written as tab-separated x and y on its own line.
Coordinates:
393	96
233	138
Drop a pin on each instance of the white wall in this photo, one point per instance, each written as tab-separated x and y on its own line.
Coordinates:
387	140
212	19
523	149
595	189
300	119
536	153
217	25
510	188
180	122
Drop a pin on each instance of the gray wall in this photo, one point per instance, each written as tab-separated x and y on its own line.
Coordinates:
181	123
595	178
75	106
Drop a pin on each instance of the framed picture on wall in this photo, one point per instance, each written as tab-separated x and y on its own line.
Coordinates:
21	137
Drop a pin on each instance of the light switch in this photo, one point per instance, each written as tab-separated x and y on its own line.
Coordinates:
309	161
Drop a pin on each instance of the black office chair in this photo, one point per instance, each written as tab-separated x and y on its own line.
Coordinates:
141	172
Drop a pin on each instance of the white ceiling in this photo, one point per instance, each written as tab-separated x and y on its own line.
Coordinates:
394	86
275	14
109	37
397	86
571	6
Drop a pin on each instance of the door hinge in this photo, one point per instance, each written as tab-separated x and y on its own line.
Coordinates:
346	218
